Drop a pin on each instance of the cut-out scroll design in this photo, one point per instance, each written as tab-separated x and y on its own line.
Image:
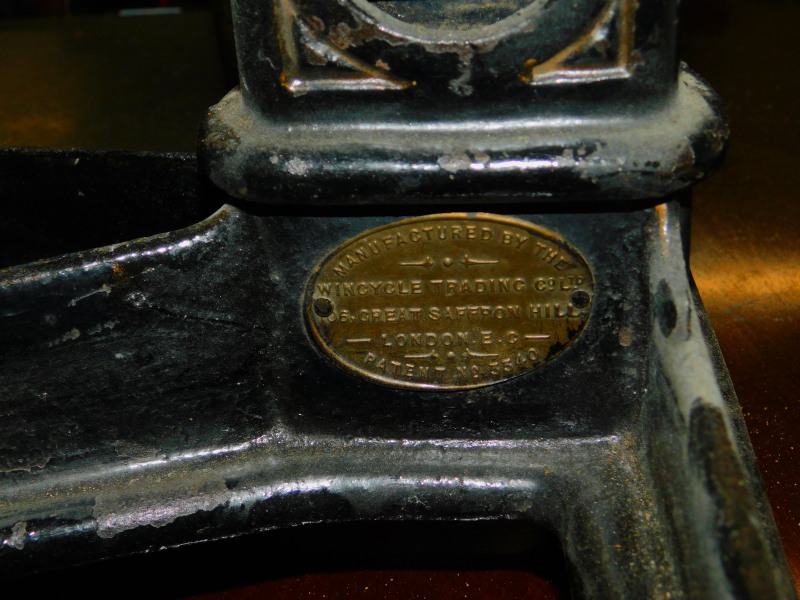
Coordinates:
603	52
302	47
313	61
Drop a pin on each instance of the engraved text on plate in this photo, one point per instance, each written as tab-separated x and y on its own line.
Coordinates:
449	301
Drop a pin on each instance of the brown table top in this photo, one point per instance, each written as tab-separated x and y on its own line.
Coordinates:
746	234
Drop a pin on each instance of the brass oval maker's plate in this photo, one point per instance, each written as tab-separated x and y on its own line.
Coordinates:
450	301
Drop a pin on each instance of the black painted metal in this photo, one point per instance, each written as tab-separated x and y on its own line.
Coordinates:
454	115
60	201
164	391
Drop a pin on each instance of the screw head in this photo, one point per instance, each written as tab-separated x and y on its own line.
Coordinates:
580	299
323	307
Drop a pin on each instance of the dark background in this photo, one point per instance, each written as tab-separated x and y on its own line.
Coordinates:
76	74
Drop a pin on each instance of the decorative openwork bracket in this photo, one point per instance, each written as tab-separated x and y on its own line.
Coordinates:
604	51
327	56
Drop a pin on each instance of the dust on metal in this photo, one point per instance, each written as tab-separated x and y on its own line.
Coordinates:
449	301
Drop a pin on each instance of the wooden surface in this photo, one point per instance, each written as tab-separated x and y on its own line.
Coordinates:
746	232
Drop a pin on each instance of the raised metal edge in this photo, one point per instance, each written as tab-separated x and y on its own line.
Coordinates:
624	155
